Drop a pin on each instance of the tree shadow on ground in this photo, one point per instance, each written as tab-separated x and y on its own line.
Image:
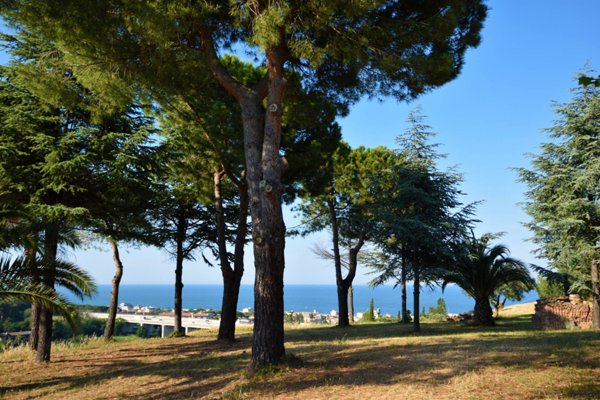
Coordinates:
338	361
197	369
375	354
394	329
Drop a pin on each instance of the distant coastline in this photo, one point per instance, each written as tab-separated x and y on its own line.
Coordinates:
320	298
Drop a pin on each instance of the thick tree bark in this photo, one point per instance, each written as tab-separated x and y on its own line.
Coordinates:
178	301
109	328
403	271
483	312
416	302
264	167
231	277
595	295
268	230
44	345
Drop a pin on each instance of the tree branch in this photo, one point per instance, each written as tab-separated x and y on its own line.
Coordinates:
233	87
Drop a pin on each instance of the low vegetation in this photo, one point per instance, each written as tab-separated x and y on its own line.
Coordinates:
377	360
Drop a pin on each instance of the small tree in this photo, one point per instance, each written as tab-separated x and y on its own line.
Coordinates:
369	315
439	312
510	291
344	207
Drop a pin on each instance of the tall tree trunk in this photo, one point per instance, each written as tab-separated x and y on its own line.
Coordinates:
342	292
351	303
416	302
403	272
109	329
347	282
35	326
264	168
231	291
179	257
231	277
482	314
30	260
44	345
595	294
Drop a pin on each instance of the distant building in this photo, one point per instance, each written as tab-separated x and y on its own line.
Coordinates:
125	307
306	316
145	309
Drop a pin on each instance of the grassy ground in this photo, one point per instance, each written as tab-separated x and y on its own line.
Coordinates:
374	361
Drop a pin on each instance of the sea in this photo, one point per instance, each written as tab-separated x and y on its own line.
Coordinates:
319	298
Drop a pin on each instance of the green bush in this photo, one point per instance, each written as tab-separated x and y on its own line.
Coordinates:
14	317
548	289
439	312
141	332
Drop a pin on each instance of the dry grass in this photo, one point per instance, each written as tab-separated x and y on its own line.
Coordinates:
374	361
518	309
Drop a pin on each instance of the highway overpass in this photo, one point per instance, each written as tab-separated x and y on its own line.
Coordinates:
154	323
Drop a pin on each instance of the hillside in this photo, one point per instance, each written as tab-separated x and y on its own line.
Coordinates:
383	361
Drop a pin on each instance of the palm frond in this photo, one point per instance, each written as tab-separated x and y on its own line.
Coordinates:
16	284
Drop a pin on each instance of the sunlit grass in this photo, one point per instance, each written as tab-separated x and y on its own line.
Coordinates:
445	361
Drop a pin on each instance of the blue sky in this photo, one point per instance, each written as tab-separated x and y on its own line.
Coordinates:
486	120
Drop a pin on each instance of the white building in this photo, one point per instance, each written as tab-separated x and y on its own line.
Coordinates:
125	307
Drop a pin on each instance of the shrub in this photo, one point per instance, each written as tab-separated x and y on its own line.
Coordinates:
437	313
369	315
548	289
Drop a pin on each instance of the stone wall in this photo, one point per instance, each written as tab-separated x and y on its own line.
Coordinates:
562	312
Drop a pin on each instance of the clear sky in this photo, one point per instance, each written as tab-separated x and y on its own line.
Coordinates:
486	120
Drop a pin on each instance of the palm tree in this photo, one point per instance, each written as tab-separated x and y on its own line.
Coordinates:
480	269
17	285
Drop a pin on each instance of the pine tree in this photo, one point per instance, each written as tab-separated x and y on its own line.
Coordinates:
121	188
83	166
344	207
163	46
369	315
564	193
419	212
41	177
